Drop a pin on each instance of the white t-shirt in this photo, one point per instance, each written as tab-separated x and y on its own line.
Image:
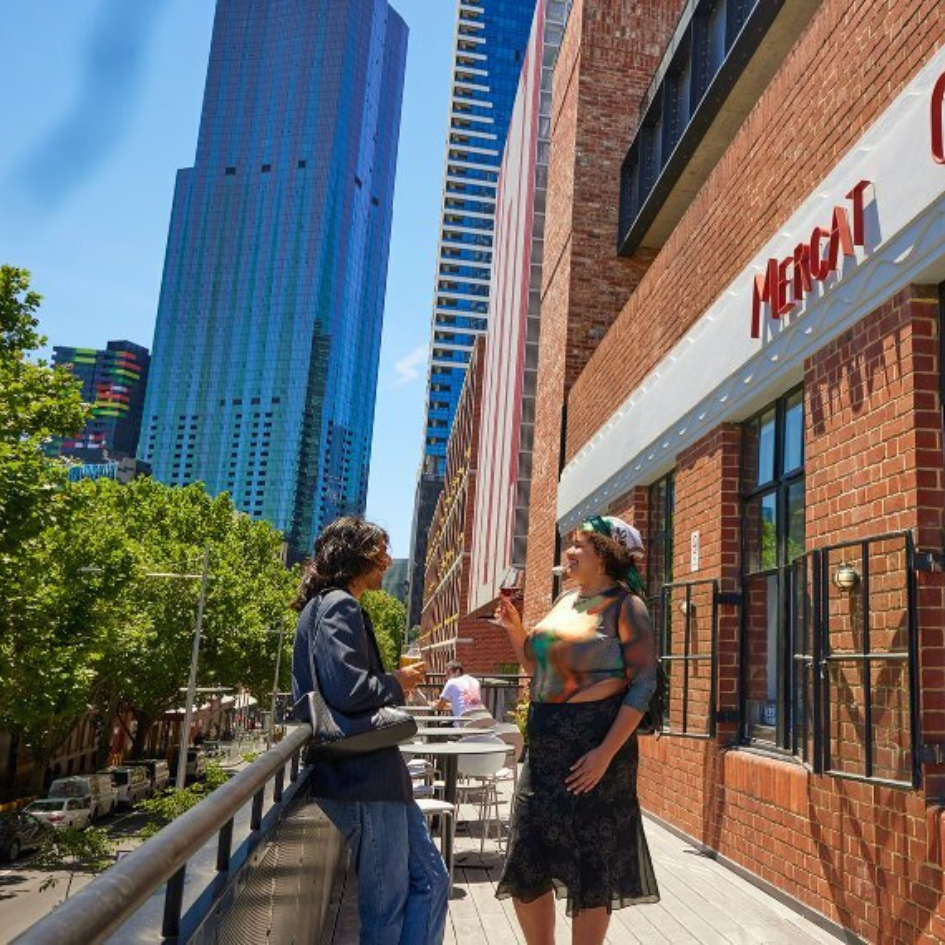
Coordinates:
462	693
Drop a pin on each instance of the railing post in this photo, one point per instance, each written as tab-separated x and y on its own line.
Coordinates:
224	846
173	903
279	785
294	769
255	820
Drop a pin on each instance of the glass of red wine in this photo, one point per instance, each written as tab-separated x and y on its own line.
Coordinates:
513	582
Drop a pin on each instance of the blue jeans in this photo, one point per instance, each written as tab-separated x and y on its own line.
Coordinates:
403	886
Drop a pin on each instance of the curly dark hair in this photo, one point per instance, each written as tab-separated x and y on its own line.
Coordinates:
618	563
345	549
613	556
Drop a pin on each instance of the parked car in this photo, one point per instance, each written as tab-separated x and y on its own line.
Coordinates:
159	772
131	782
196	764
20	831
62	811
97	786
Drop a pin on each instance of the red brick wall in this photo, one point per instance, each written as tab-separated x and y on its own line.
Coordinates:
814	109
866	856
607	58
446	583
875	465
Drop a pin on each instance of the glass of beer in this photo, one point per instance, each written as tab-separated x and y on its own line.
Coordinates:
410	658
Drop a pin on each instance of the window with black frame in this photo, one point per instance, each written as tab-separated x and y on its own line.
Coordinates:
773	510
659	563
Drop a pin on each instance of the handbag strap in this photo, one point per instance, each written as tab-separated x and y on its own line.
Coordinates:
317	621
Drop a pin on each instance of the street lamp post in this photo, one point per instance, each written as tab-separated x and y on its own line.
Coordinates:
192	683
195	655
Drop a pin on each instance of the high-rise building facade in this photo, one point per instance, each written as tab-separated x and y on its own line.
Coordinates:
269	326
490	42
500	530
114	381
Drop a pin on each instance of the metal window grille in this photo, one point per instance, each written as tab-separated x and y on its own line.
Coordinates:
803	605
869	698
687	647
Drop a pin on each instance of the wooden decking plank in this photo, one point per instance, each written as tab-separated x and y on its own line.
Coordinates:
702	902
496	925
636	919
690	919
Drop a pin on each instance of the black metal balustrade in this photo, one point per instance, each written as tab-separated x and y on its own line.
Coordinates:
245	899
691	599
874	646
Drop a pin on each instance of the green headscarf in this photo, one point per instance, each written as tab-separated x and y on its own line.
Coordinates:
626	535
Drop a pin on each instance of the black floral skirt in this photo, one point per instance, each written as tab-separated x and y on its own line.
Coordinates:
588	847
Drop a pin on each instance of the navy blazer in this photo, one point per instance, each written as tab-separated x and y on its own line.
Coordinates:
352	679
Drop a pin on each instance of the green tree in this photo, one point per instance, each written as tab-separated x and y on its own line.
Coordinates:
75	850
37	404
81	624
389	617
169	804
145	637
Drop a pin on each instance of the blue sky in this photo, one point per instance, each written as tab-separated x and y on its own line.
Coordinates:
102	106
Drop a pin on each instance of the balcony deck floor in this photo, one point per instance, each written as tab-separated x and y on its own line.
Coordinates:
702	902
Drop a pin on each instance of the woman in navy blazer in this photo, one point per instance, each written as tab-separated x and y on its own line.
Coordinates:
402	882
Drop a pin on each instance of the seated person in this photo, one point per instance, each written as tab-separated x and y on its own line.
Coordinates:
461	692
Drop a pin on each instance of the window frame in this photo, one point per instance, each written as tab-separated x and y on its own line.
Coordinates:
658	578
780	485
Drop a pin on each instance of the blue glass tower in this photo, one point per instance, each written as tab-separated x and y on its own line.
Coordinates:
489	49
264	365
490	44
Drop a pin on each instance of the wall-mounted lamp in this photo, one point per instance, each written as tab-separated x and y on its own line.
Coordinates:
846	577
687	607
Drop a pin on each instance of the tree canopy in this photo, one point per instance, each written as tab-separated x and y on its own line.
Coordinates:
389	617
84	623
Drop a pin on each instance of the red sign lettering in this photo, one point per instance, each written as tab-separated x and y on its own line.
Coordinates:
938	107
787	281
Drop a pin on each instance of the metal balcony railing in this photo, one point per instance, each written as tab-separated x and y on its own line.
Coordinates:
120	899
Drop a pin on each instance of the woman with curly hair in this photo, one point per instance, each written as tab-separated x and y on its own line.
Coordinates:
577	830
403	885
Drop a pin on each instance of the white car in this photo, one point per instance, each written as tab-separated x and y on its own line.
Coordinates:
131	782
63	811
97	786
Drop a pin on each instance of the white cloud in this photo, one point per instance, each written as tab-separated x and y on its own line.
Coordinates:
408	368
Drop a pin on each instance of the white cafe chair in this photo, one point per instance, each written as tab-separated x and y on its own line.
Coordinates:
480	776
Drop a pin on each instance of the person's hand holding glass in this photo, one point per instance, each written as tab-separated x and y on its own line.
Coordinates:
510	590
412	672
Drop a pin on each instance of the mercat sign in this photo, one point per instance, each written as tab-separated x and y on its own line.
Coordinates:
786	281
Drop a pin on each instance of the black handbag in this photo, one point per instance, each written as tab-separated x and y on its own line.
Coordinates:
339	734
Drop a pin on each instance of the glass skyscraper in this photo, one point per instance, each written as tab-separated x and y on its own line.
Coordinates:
265	357
489	48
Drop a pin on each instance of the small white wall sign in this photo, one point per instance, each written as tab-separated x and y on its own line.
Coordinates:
694	552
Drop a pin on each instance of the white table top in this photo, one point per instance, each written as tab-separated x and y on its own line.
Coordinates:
444	719
454	748
444	731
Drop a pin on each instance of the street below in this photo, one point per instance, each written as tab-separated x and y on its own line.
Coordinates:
23	901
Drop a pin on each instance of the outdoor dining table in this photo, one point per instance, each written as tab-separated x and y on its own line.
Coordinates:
451	753
446	732
439	719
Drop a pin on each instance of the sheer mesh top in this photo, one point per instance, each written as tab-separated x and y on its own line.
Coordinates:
578	645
